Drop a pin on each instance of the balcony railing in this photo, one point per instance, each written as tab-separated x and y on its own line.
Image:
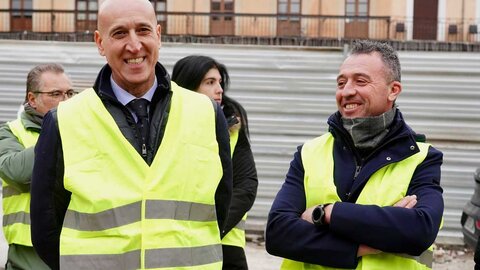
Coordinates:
291	29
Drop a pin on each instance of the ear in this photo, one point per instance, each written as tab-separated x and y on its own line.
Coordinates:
32	100
98	41
159	34
395	90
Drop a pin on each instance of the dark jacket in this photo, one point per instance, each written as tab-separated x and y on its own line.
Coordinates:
390	229
49	197
245	181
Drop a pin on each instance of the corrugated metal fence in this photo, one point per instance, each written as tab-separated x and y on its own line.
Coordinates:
289	93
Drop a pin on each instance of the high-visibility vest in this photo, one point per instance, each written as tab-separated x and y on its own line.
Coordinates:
16	204
318	162
124	214
236	236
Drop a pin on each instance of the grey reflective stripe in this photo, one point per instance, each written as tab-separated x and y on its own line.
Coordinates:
130	213
155	258
129	260
19	217
426	258
161	209
240	225
182	257
104	220
9	191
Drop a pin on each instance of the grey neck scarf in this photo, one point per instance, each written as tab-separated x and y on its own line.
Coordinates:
36	117
368	132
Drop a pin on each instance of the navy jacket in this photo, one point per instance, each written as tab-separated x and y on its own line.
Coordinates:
50	199
390	229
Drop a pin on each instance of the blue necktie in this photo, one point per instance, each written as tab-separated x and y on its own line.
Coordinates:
139	107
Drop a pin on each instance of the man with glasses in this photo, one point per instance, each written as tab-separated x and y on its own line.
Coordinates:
47	85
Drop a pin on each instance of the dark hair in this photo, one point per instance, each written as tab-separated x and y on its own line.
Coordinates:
189	72
389	55
34	83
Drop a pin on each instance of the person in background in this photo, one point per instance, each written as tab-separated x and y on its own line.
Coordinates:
204	75
134	173
47	85
367	194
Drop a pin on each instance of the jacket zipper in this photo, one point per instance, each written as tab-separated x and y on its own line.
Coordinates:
144	150
357	171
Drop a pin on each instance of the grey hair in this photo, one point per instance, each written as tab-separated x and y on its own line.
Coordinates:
34	83
389	55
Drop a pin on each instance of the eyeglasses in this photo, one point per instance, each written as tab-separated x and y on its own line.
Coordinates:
58	93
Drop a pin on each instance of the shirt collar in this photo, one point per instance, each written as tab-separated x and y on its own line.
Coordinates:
124	97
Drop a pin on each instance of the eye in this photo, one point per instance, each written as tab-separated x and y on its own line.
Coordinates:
119	34
56	94
144	30
361	82
340	83
71	93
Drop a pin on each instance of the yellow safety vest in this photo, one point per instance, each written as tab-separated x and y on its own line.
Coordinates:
317	158
124	214
16	204
236	236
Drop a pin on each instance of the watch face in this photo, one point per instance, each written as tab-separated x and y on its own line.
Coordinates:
317	215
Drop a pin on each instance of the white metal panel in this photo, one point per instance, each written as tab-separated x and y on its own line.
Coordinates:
289	93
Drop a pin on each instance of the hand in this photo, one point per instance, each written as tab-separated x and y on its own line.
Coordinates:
307	214
366	250
407	202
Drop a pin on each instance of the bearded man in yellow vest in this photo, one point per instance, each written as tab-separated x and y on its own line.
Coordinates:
366	194
47	85
134	173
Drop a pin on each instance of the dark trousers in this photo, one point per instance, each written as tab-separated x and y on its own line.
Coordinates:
234	258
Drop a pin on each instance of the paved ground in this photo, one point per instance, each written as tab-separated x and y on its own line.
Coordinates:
446	258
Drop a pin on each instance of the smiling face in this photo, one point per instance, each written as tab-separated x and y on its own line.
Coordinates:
364	87
210	85
129	37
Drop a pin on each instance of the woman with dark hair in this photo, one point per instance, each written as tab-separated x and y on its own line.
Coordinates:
204	75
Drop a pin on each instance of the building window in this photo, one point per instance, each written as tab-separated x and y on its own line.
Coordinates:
290	7
160	7
221	21
356	7
19	6
222	6
356	27
86	15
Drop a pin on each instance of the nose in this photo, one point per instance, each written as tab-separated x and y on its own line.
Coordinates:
133	44
348	89
219	88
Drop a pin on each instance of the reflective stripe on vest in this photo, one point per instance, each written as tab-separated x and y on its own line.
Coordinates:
236	236
124	214
16	205
317	159
154	258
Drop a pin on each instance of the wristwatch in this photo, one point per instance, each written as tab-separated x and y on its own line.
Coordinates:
318	215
